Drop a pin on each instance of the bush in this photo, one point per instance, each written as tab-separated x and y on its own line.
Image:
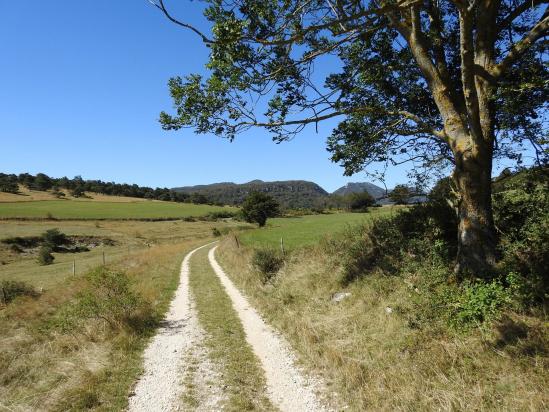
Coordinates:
58	194
521	213
45	256
478	302
109	298
54	238
417	231
216	232
23	242
10	289
267	262
78	191
221	214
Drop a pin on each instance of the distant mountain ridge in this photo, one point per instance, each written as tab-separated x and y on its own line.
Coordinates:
289	193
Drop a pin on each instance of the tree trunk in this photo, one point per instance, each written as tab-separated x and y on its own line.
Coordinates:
476	253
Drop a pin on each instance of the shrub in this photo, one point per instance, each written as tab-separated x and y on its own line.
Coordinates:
267	262
10	289
78	191
521	213
216	232
417	231
221	214
109	298
478	302
23	242
58	194
54	238
45	256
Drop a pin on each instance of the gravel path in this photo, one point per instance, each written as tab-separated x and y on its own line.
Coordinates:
287	387
161	385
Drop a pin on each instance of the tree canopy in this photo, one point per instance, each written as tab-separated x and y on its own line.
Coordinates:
360	202
400	62
434	82
258	207
400	194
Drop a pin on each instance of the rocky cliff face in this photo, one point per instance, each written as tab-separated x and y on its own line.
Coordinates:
289	193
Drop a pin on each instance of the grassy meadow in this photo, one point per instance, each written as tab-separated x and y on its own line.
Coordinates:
308	229
69	209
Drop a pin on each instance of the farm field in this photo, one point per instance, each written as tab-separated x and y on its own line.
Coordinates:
65	209
308	229
28	195
130	239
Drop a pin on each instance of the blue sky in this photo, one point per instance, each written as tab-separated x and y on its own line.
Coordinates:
82	84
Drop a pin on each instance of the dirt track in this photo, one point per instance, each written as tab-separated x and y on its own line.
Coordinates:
171	355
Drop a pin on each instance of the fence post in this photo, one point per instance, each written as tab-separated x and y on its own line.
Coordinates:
237	242
103	258
282	246
74	267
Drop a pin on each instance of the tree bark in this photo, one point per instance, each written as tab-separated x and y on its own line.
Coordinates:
476	253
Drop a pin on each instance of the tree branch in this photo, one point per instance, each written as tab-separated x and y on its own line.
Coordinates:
519	10
538	31
160	5
467	52
423	127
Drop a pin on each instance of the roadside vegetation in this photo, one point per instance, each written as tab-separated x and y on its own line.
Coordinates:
379	309
78	346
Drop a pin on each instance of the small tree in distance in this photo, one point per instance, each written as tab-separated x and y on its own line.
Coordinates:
400	195
360	202
257	207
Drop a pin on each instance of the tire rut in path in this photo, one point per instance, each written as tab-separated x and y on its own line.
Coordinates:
161	385
287	387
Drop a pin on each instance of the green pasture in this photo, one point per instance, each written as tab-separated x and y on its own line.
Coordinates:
64	209
306	230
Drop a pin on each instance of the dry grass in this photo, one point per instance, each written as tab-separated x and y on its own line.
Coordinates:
26	195
379	360
44	368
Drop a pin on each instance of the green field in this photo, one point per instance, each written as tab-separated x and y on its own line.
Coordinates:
64	209
306	230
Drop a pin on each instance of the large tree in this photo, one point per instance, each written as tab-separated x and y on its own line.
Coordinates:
460	82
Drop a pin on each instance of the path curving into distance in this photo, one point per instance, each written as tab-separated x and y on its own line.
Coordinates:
174	352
